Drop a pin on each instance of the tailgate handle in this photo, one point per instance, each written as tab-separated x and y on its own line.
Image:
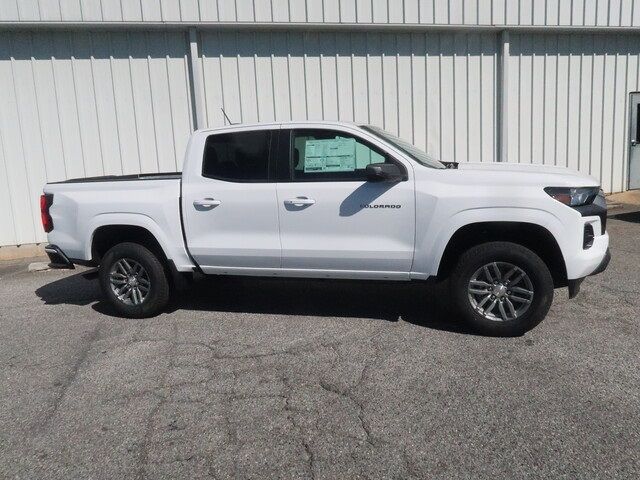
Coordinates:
206	203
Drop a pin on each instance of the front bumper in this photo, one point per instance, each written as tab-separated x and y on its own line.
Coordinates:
574	285
57	257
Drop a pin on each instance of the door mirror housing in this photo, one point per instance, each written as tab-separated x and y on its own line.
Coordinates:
384	172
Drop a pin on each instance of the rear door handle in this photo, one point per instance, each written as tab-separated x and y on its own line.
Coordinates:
299	201
206	203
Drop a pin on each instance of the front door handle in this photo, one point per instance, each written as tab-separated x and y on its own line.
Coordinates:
298	201
206	203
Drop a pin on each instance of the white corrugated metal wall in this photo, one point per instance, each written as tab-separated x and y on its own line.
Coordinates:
436	90
92	101
468	12
85	104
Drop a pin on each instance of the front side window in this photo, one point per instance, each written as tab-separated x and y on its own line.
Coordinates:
326	155
238	156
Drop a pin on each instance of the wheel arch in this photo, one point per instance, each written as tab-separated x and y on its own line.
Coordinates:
535	237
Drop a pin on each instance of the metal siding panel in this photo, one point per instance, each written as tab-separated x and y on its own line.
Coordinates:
296	11
244	11
586	98
561	112
190	11
263	11
9	12
590	12
360	78
247	77
280	10
380	11
64	90
111	10
626	12
395	13
488	116
329	77
411	11
91	11
548	119
314	11
170	10
29	134
419	91
426	8
573	103
330	11
264	78
86	104
142	95
212	78
608	112
376	92
28	10
297	81
447	102
49	10
43	64
433	103
163	117
513	101
313	77
405	97
151	10
179	92
364	11
131	10
348	11
619	136
390	120
344	80
474	127
537	94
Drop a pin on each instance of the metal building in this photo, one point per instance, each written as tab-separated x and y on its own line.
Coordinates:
98	87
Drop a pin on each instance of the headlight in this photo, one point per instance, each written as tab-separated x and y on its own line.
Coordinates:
573	196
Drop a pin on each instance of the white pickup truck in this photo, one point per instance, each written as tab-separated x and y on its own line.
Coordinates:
340	201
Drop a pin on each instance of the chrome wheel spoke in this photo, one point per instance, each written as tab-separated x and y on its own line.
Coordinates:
503	312
129	281
500	291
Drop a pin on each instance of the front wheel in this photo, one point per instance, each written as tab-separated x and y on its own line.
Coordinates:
134	281
501	288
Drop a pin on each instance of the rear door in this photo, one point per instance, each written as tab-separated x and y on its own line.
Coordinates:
230	208
332	220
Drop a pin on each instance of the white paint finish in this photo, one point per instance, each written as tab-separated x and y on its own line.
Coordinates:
568	100
83	104
248	231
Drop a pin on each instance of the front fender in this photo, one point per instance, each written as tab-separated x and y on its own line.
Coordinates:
430	247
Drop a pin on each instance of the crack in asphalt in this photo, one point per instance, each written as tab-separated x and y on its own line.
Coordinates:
87	344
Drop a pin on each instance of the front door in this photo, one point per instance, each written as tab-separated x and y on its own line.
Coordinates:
230	209
634	145
336	223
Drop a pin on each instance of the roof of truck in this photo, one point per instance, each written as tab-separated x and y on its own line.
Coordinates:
285	123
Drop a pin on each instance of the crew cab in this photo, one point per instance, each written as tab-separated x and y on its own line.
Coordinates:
335	201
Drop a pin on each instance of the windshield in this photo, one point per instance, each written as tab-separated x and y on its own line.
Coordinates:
414	152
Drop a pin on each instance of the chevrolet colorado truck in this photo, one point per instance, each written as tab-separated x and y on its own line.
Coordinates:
335	201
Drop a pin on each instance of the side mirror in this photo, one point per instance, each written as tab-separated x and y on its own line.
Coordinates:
384	172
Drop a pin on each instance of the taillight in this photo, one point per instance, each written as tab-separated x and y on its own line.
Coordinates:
46	201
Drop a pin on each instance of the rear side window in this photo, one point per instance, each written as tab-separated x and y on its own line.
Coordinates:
238	156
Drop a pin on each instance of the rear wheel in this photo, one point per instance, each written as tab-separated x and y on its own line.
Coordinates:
501	288
134	281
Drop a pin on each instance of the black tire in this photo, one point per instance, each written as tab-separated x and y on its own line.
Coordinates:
156	298
475	259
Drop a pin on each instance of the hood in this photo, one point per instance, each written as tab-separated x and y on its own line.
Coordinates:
533	173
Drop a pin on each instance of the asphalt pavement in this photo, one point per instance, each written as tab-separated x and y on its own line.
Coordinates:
250	378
